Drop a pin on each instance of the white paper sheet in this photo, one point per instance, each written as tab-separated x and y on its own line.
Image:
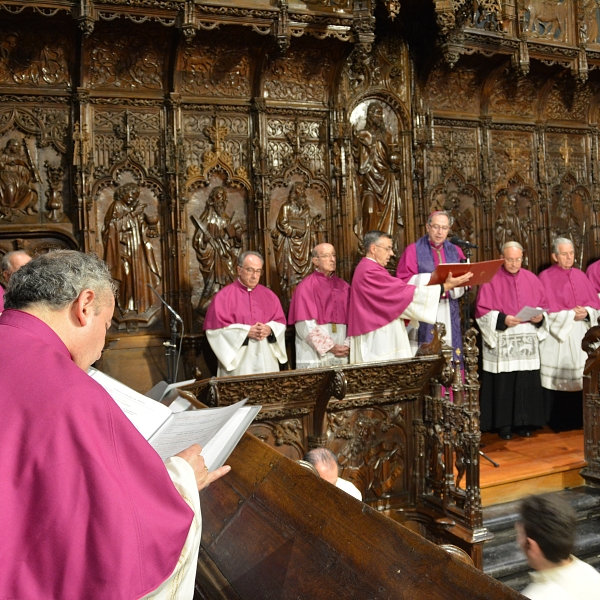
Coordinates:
527	313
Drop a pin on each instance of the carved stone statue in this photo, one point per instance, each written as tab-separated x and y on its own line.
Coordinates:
295	235
217	242
378	187
127	251
16	178
509	226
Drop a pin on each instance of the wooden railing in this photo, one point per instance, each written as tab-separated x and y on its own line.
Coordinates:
406	433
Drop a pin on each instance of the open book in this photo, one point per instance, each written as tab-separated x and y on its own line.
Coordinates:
217	430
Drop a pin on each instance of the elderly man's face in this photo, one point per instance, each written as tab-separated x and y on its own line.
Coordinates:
565	257
251	271
513	259
97	326
325	260
438	229
382	251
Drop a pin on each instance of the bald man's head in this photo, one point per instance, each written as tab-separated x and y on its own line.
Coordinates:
324	259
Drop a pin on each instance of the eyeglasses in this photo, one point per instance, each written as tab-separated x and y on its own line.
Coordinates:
513	260
440	227
326	256
388	249
250	271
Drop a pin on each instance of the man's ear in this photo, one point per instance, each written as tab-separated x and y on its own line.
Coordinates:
84	306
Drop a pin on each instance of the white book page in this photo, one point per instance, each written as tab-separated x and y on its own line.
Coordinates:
527	313
191	427
217	451
178	384
146	415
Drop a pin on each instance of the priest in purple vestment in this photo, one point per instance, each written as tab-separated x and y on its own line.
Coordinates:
417	263
593	274
88	508
511	397
379	304
319	310
11	263
573	307
245	324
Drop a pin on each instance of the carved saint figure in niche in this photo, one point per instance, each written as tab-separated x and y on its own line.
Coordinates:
462	222
217	242
509	227
564	221
295	235
16	178
127	251
378	163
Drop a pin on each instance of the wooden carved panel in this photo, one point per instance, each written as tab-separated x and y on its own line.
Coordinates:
517	218
454	90
514	95
302	75
216	68
371	446
551	20
566	152
119	133
120	59
453	149
35	58
512	152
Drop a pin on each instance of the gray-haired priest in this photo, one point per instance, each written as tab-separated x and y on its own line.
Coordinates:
511	395
573	306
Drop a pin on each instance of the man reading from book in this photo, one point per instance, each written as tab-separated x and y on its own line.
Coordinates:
89	510
416	265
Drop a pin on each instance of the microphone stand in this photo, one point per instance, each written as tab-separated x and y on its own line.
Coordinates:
171	353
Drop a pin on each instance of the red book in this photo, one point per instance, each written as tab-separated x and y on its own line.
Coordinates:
482	271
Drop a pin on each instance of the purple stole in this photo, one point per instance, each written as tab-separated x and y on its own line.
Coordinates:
426	264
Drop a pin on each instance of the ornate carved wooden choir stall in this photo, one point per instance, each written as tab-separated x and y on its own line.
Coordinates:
171	135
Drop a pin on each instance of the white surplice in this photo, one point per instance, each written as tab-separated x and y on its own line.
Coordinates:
180	585
515	349
443	312
314	341
562	359
391	342
255	357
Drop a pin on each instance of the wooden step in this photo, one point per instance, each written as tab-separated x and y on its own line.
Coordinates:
545	462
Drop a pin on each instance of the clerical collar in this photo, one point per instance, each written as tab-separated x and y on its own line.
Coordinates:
323	274
244	286
436	247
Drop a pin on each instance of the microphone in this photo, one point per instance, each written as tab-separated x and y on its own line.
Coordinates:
458	242
169	307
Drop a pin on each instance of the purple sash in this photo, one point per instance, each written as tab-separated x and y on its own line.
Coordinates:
426	264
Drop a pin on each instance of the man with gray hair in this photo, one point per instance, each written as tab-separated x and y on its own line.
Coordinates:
89	510
11	262
417	263
245	324
573	307
511	392
326	463
379	304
